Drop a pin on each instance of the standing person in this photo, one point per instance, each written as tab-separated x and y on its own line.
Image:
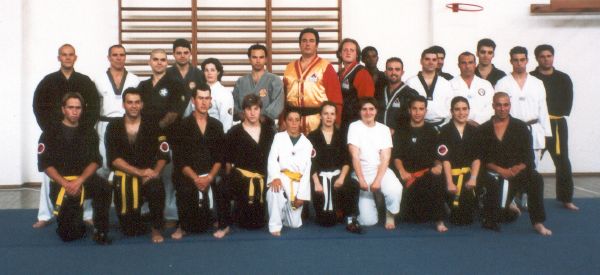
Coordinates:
334	194
198	156
507	157
559	98
355	80
478	91
434	88
416	161
266	85
309	81
111	85
486	69
68	154
288	175
137	152
184	72
370	57
48	111
393	99
457	150
248	145
441	56
222	101
370	144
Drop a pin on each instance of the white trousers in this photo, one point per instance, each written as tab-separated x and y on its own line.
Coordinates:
46	206
280	208
392	193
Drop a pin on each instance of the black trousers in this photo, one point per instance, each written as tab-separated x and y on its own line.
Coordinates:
564	175
463	213
195	214
70	213
130	218
344	201
250	212
528	181
424	200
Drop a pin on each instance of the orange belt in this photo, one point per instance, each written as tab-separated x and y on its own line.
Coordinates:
415	176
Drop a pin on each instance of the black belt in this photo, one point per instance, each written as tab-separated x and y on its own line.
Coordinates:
304	111
108	119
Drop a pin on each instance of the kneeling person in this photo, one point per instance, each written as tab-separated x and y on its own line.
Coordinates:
137	153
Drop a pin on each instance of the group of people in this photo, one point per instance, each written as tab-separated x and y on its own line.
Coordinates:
361	145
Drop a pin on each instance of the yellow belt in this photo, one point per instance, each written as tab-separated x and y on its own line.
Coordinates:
135	189
252	176
460	172
294	177
557	139
61	196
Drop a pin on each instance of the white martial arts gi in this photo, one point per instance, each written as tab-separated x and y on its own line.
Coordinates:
222	105
438	106
296	158
370	141
480	96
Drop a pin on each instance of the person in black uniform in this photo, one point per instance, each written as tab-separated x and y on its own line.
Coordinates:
248	145
458	152
486	69
559	97
137	151
334	194
184	72
68	154
441	56
197	157
416	161
394	97
370	57
506	153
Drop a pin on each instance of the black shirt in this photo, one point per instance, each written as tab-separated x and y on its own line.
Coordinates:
415	147
514	148
245	153
199	151
397	113
328	157
459	151
191	80
494	75
49	92
559	92
166	96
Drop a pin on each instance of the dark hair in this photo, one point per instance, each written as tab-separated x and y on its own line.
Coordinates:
394	59
366	50
438	49
458	99
202	86
115	46
486	42
466	53
257	47
70	95
418	98
518	50
217	64
309	30
428	51
338	54
544	47
366	100
327	103
251	100
182	43
132	91
291	110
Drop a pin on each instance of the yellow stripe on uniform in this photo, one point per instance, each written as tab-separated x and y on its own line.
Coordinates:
294	177
460	172
135	189
557	140
61	196
252	176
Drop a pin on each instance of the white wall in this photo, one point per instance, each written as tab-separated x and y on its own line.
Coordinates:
397	28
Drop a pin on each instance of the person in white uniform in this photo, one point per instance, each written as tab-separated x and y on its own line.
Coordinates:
370	144
222	99
476	90
288	175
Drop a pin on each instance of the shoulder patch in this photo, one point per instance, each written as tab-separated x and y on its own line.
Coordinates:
442	150
164	147
41	148
313	153
230	111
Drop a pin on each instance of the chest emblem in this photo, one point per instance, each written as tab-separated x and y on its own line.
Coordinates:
163	92
481	92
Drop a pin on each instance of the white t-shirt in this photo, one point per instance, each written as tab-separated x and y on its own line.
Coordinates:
370	141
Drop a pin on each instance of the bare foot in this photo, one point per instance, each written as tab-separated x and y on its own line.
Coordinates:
219	234
390	223
157	237
441	227
89	222
276	233
541	229
40	224
571	206
178	234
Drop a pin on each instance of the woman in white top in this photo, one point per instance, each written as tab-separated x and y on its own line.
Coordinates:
222	99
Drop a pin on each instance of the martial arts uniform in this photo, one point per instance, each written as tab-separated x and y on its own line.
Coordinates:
479	95
332	204
199	151
370	141
380	81
221	105
445	75
439	96
307	90
111	107
149	147
356	83
393	105
460	152
559	98
495	75
47	109
190	81
247	180
270	89
70	150
514	148
289	163
423	200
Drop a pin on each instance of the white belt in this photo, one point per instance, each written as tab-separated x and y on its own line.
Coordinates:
327	188
504	184
210	195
